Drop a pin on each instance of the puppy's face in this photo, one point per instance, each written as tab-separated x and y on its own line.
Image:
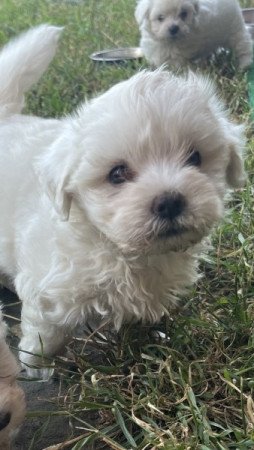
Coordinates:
157	155
172	19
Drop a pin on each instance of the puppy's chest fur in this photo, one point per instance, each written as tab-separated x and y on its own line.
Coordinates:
97	277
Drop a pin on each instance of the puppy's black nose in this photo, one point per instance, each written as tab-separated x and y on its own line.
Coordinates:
168	206
5	419
173	30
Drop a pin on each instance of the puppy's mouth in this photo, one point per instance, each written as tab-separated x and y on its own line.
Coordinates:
171	232
177	231
164	239
166	229
179	37
173	37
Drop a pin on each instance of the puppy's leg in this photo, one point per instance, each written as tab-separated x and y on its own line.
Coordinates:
50	308
40	340
22	62
49	314
242	44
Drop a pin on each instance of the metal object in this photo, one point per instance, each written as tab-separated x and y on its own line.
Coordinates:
248	15
117	54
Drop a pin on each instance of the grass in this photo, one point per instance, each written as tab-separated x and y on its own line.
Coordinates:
188	382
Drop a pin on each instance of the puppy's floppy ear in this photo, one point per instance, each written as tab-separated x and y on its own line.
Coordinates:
235	174
54	169
233	135
56	189
196	6
142	11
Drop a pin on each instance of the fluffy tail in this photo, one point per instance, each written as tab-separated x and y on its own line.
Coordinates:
22	62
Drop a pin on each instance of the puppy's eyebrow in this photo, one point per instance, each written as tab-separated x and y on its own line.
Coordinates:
5	419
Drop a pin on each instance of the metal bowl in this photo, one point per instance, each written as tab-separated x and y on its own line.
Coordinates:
117	54
248	15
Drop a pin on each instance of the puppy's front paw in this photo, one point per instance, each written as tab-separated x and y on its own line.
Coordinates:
36	366
43	374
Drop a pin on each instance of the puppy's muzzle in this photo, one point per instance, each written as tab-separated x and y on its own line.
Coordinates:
168	206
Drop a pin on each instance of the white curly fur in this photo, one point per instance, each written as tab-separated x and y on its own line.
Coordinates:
73	242
202	27
12	399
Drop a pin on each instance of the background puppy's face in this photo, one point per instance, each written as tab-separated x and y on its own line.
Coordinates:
157	161
172	19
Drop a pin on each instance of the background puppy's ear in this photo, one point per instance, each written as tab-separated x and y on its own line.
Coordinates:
142	11
196	6
235	174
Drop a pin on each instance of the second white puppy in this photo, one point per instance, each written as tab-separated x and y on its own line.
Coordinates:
179	31
103	211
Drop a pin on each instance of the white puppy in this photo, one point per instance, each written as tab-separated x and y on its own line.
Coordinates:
102	210
12	399
178	31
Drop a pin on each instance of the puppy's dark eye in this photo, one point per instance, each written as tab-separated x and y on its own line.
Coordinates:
119	174
194	158
160	18
183	14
